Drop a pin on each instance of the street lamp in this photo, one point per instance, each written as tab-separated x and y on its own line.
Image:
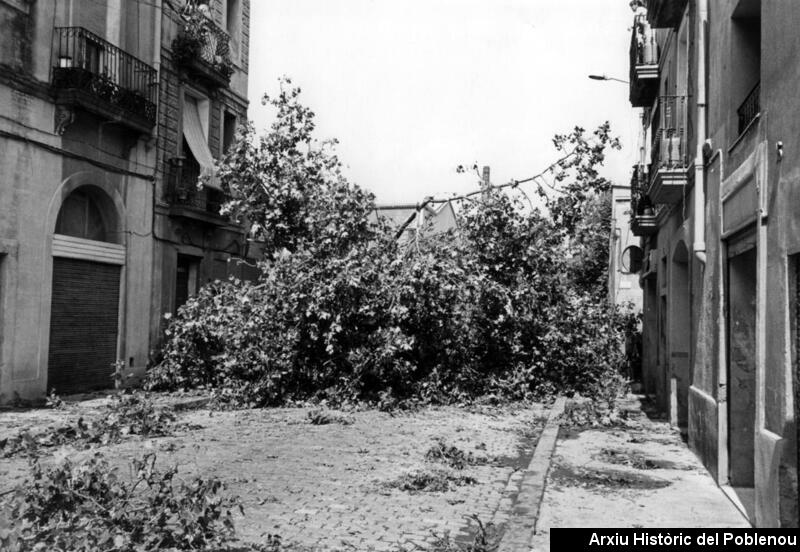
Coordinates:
605	78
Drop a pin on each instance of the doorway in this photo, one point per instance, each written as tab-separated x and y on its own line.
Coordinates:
680	324
185	279
741	326
85	298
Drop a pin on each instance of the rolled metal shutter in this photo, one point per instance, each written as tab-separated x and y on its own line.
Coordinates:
83	325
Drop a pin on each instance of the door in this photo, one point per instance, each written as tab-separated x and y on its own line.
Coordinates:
83	325
742	366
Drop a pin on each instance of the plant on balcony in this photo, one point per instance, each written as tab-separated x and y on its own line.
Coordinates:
103	87
132	100
198	41
642	205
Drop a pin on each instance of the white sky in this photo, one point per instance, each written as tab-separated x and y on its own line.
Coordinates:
413	88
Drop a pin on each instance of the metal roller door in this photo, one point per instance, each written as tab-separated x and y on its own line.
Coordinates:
83	325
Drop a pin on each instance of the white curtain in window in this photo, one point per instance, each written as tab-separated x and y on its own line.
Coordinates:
196	138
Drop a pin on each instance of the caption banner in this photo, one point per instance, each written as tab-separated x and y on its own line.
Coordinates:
673	539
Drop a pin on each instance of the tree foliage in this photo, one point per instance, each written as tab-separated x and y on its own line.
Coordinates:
510	305
88	505
289	186
589	261
126	415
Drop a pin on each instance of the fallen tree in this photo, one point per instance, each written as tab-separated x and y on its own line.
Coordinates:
512	304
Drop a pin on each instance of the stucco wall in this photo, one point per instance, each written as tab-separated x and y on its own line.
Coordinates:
29	209
24	266
40	168
777	439
748	189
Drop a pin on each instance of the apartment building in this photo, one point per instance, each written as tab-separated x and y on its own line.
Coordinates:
712	202
203	97
109	112
625	254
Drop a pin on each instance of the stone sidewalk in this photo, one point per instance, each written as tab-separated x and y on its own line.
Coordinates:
638	473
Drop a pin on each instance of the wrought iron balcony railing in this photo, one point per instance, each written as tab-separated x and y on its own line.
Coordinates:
640	202
203	48
669	147
643	216
645	50
750	108
216	47
184	195
669	151
103	78
643	63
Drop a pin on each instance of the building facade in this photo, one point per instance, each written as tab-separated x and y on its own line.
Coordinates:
624	254
712	202
203	98
417	220
93	221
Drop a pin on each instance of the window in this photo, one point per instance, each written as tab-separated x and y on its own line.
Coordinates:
196	107
746	62
94	56
81	217
232	21
195	135
190	173
198	162
185	279
228	130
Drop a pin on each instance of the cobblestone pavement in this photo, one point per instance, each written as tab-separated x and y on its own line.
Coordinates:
325	486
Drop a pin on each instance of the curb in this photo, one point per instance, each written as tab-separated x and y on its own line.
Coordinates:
525	513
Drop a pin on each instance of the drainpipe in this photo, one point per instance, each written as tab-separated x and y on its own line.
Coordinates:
157	12
699	245
158	9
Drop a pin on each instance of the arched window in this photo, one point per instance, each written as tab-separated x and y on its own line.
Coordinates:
81	216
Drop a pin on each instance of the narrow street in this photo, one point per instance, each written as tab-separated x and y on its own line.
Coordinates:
367	480
398	275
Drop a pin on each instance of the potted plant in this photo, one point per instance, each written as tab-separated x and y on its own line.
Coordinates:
198	41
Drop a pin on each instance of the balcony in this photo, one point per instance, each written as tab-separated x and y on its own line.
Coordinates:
94	75
186	200
669	151
644	63
202	50
750	109
665	13
643	216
